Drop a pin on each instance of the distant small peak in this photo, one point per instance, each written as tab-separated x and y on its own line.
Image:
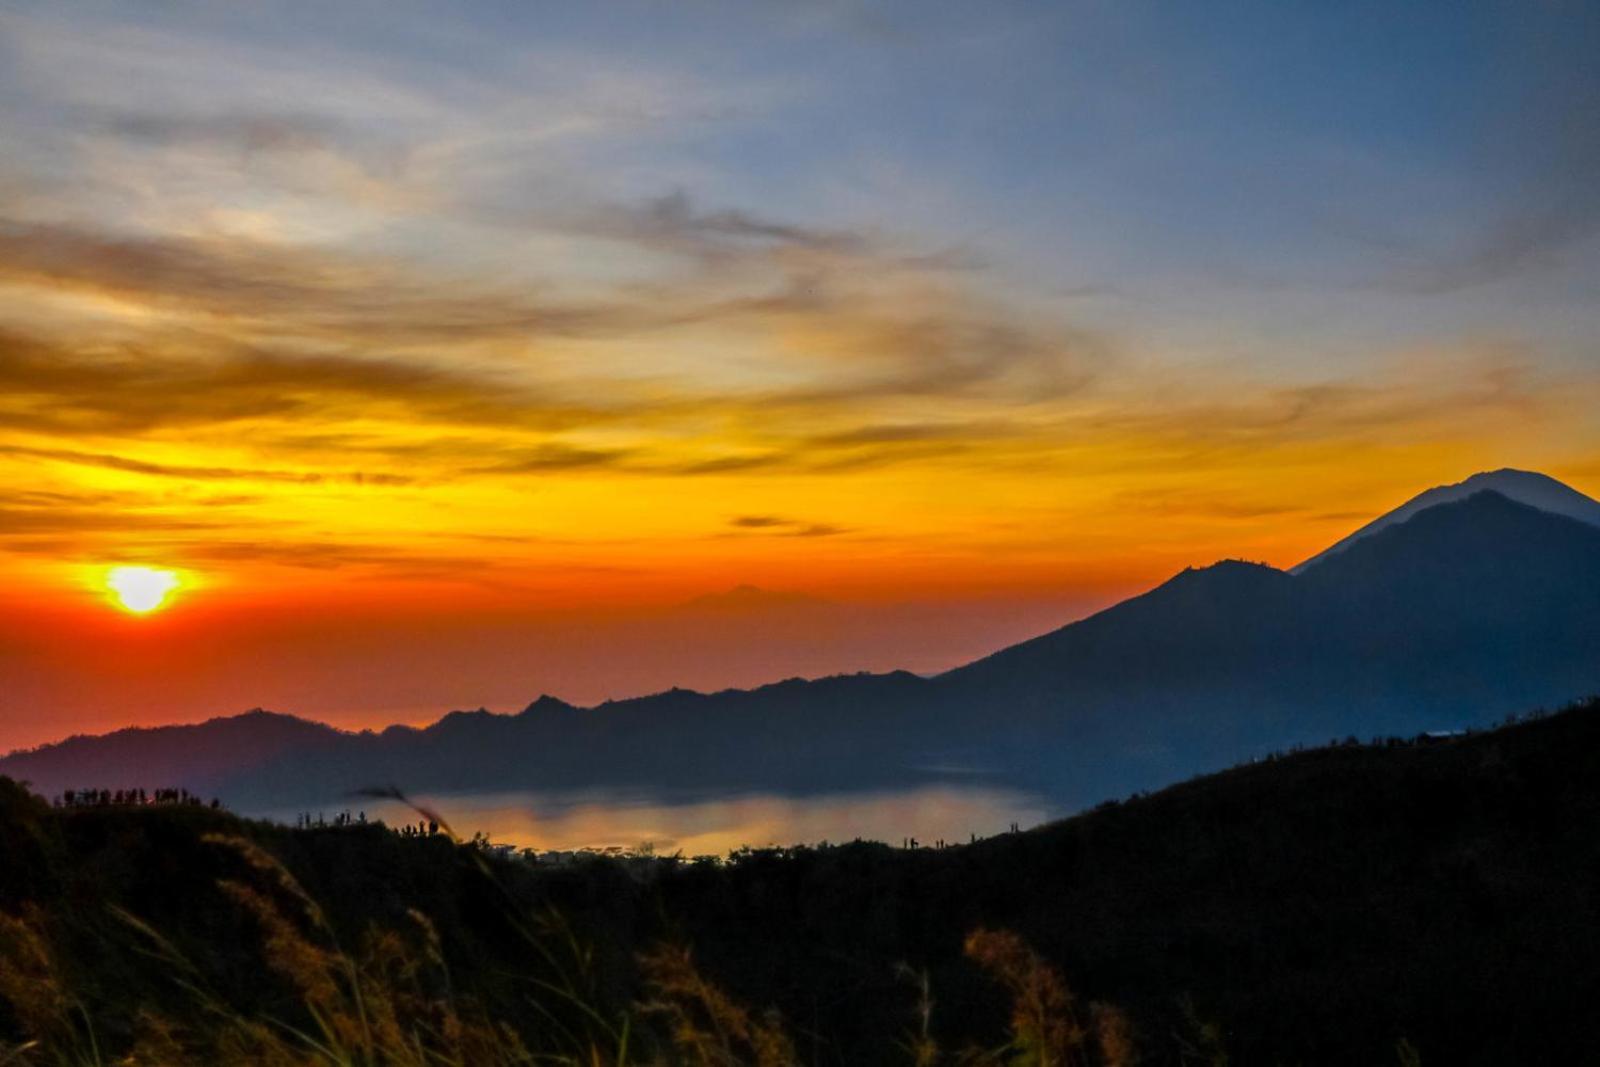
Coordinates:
1227	577
260	716
459	716
547	703
1242	565
1226	568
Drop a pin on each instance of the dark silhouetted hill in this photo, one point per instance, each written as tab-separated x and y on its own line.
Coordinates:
1316	908
1462	613
200	756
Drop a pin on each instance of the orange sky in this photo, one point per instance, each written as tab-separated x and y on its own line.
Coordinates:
445	365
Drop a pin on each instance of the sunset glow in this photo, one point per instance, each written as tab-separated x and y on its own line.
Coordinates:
457	360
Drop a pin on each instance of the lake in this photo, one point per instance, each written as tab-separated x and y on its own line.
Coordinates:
699	826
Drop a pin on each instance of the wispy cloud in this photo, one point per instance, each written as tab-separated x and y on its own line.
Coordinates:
190	473
781	526
244	131
408	286
673	223
546	459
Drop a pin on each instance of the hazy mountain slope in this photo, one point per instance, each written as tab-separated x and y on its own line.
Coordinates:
1201	625
1525	487
197	756
1460	614
1471	576
797	736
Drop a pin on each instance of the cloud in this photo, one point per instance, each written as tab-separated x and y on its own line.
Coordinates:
672	223
729	464
308	291
887	333
60	519
186	381
778	525
855	323
916	433
1184	502
243	131
416	421
555	457
1486	387
190	473
315	554
79	522
327	419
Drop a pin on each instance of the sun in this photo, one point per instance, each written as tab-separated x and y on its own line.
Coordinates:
141	590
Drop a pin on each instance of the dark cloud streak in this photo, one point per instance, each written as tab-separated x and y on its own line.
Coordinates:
190	473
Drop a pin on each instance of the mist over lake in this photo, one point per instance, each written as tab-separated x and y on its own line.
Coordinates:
714	825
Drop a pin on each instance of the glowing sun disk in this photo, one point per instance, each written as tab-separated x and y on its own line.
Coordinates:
140	589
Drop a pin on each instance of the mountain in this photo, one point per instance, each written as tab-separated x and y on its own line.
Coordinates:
1451	616
1461	613
1526	487
200	756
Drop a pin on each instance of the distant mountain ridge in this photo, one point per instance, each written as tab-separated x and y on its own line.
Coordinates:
1451	615
198	755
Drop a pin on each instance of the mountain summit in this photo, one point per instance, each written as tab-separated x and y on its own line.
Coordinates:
1525	487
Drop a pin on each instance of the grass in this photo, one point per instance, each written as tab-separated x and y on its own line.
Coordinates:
391	1002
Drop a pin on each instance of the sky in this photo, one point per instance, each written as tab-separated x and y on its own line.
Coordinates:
450	354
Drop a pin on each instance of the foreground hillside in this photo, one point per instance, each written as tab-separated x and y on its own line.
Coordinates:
1316	908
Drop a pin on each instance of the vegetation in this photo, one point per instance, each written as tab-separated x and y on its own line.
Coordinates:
393	1001
1394	903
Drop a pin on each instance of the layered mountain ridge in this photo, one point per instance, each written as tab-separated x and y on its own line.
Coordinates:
1452	615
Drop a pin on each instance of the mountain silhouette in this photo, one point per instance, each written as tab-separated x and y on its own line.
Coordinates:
1453	615
200	756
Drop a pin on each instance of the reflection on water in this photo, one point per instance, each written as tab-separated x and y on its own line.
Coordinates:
715	826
